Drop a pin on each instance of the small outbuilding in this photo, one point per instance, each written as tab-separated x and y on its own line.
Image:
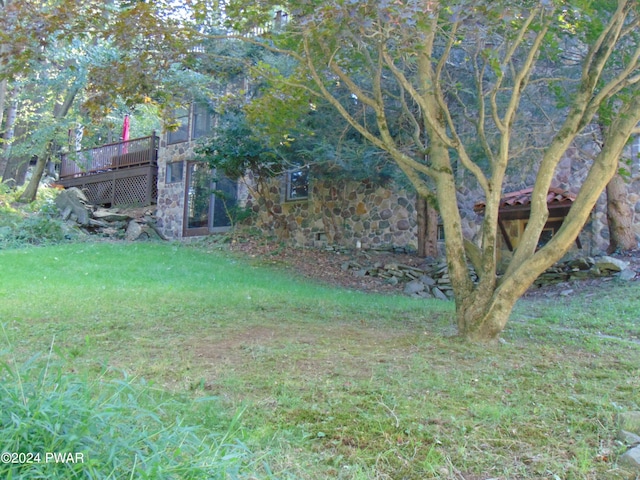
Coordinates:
514	211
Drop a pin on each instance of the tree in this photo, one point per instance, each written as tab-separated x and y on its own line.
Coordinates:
420	47
619	216
619	212
85	58
268	131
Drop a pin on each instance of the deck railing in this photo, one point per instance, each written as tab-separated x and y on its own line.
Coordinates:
114	156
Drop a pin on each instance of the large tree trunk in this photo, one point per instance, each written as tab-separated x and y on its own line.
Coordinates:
427	218
3	83
3	95
619	216
482	316
30	192
15	172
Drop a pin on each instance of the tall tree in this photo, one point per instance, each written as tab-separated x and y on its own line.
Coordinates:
420	47
87	57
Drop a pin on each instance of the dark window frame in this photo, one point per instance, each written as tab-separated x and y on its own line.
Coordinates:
180	135
296	185
175	172
201	120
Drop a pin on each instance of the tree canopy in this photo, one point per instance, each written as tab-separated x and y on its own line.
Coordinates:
469	76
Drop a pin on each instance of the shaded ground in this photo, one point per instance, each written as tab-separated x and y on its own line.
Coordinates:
327	267
338	389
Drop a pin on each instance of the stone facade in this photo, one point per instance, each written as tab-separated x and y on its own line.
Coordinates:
171	194
353	214
346	213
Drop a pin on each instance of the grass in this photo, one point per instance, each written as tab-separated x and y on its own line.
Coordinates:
59	426
334	383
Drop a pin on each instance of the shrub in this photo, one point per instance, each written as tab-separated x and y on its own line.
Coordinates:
37	223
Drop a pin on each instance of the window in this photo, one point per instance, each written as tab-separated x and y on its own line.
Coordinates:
202	120
297	185
181	134
174	172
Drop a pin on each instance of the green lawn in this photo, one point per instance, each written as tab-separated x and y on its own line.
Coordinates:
332	383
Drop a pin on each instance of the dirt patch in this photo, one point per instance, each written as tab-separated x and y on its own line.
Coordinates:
302	353
327	267
298	350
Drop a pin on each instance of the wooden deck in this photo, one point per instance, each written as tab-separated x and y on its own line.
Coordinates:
124	173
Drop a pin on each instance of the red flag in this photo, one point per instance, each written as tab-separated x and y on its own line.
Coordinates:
125	133
125	128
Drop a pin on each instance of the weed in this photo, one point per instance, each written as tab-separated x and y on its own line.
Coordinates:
37	223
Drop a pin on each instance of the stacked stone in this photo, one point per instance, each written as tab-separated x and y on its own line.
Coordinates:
586	267
629	436
431	281
128	224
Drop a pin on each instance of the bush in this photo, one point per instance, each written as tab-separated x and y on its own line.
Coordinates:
103	430
37	223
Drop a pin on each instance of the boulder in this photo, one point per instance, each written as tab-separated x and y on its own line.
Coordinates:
628	438
629	422
439	294
134	230
109	215
414	286
627	274
611	264
580	264
631	459
427	280
73	201
629	433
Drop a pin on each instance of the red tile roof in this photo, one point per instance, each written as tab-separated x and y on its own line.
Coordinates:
522	198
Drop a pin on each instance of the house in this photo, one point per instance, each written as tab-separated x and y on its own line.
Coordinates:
192	200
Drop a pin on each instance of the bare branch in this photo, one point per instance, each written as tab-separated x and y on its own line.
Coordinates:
406	163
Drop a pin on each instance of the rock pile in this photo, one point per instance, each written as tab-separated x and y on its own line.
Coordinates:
432	280
429	281
629	436
586	267
129	224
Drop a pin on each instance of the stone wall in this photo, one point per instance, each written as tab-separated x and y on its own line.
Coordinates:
341	213
170	209
570	175
347	212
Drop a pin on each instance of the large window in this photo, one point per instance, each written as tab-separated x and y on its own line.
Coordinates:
202	121
210	202
181	133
